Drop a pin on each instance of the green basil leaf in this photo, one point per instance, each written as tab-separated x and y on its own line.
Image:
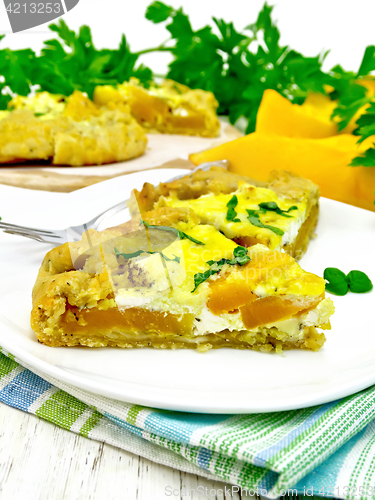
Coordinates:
139	252
269	205
201	277
254	219
218	263
173	230
240	258
338	287
240	252
272	206
358	282
176	259
231	213
337	281
129	255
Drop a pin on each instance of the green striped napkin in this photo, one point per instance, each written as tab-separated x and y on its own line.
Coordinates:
326	450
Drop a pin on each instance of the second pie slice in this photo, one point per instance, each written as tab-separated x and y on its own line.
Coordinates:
281	214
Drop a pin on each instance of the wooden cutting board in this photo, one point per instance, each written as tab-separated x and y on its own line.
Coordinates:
163	151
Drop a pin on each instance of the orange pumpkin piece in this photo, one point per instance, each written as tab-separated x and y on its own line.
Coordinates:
312	119
277	115
80	107
323	161
249	241
226	297
267	310
133	319
192	121
146	108
264	266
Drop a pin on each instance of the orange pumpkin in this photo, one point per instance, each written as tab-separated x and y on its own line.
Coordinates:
324	161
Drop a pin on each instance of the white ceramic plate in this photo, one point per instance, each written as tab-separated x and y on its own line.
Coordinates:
219	381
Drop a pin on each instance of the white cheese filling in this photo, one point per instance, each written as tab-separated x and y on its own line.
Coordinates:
290	234
207	322
160	276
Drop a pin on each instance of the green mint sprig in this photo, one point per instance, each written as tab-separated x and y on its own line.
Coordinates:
240	258
340	283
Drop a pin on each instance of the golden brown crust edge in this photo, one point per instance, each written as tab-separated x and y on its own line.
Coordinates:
58	281
218	180
215	180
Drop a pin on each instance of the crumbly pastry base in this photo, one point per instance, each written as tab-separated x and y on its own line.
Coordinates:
299	246
266	340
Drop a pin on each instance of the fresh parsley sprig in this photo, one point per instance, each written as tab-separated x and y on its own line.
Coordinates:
127	256
365	129
68	62
253	216
340	283
238	66
240	257
352	97
173	230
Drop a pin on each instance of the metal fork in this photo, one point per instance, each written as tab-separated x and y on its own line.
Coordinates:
74	233
58	237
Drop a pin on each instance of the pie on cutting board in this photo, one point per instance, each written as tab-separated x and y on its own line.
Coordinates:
77	131
68	131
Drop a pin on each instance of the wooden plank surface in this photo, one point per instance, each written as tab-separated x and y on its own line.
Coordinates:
40	461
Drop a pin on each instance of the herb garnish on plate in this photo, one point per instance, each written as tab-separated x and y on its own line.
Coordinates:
340	283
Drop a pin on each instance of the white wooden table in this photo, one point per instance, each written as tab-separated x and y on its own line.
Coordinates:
40	461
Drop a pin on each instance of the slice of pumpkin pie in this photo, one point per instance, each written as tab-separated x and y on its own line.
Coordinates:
281	214
169	281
